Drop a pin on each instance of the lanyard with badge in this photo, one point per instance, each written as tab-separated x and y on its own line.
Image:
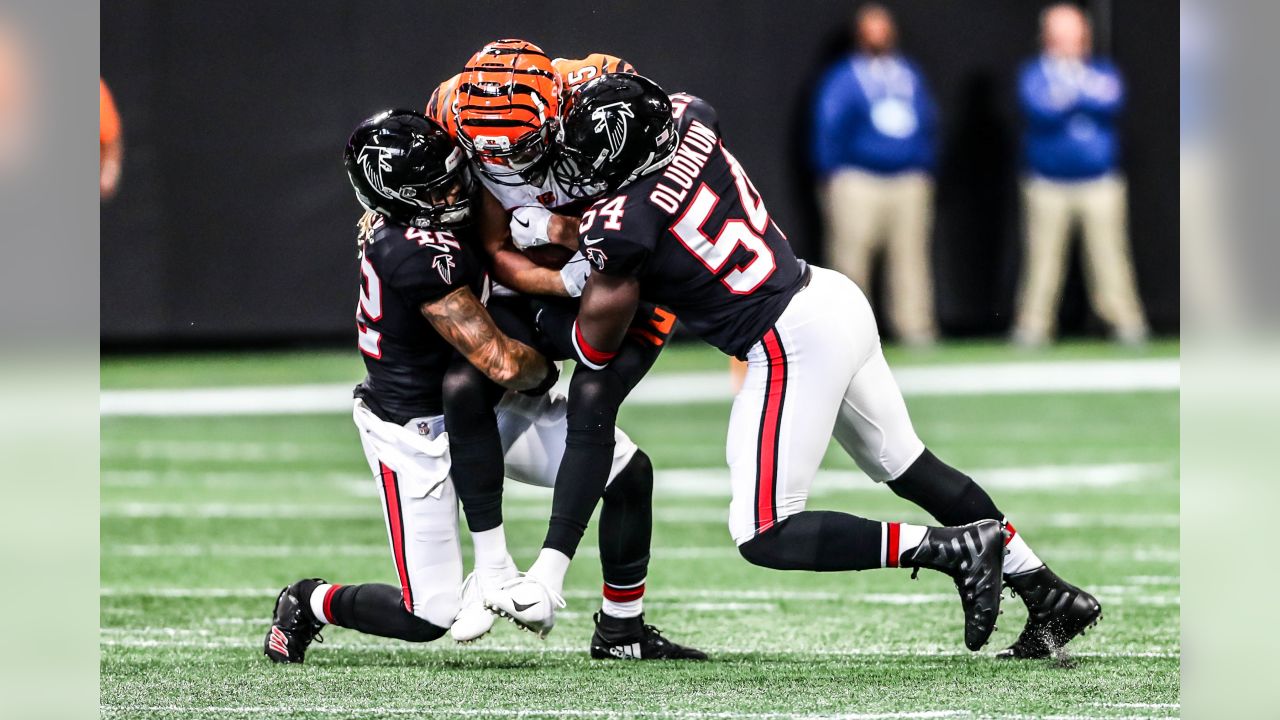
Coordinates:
890	88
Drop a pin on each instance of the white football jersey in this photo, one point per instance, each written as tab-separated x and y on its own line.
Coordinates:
549	194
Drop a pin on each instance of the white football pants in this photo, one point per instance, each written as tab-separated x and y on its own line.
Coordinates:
819	372
411	464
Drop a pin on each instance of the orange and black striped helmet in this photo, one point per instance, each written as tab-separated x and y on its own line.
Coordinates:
506	110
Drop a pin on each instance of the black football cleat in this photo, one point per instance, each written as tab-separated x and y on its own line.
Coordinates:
631	639
1057	611
973	555
292	626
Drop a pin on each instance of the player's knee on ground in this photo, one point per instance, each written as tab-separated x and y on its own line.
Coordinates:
378	609
944	492
415	629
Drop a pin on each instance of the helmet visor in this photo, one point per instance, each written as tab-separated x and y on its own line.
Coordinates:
446	204
577	175
519	164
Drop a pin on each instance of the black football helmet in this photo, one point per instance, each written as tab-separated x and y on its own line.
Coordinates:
614	129
406	167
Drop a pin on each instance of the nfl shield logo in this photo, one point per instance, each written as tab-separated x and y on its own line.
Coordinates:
423	428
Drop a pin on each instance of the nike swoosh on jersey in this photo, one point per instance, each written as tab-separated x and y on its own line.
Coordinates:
523	223
590	241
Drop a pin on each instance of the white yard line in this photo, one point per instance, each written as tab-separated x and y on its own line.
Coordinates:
283	710
677	515
171	638
1118	595
1075	376
684	482
725	551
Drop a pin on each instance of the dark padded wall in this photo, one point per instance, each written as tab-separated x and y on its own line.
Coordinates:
234	222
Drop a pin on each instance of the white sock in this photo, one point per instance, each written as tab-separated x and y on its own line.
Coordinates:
440	609
317	602
898	539
491	550
1020	558
550	569
623	601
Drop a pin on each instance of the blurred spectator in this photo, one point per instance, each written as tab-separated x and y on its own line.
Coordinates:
872	147
17	102
1071	101
110	143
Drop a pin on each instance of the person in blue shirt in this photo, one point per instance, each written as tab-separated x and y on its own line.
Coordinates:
1071	102
872	148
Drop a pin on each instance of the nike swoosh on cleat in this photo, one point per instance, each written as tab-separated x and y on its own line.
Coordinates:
521	607
522	222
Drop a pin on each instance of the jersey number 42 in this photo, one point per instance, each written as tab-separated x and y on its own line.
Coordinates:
368	310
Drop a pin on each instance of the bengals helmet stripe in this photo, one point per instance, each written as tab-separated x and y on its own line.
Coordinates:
440	104
506	109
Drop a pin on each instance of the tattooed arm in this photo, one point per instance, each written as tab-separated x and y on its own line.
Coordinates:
466	324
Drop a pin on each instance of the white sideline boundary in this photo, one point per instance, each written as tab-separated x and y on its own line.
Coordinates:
1074	376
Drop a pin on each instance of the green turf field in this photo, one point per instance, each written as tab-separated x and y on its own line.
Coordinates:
204	519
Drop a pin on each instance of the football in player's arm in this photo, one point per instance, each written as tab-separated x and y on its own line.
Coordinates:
527	225
437	276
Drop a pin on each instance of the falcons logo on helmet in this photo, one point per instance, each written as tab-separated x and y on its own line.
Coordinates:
444	266
373	160
611	119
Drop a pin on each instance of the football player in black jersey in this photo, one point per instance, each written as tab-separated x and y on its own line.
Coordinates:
503	109
421	317
678	222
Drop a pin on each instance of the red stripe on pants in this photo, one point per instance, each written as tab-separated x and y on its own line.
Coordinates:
391	488
770	430
892	549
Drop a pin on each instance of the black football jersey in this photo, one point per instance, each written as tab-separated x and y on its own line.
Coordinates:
699	239
405	359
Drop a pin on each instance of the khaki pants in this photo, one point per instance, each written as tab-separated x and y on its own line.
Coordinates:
1051	209
865	210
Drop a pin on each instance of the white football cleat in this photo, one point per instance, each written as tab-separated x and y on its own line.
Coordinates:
473	620
526	602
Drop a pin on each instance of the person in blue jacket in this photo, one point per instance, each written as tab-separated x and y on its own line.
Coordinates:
1071	102
873	151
